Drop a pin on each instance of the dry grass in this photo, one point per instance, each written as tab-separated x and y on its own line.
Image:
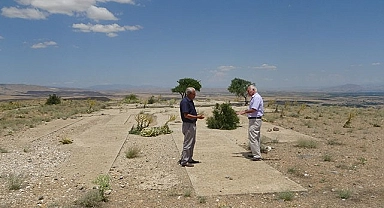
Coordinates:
344	157
344	170
20	115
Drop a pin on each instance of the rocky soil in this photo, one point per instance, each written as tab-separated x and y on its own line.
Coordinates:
344	169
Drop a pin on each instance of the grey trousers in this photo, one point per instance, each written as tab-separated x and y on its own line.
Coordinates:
254	136
189	131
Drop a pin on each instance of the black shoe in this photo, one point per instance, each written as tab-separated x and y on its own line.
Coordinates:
187	165
194	161
256	159
250	155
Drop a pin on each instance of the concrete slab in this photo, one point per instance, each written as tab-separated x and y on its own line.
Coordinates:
225	168
94	150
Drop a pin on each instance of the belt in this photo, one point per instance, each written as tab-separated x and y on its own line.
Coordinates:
255	117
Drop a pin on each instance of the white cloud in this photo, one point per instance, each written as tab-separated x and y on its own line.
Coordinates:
376	64
225	68
40	9
68	7
28	13
222	71
265	67
109	30
1	37
120	1
98	13
44	44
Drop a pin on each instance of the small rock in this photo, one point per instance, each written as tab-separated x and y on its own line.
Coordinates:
108	192
276	129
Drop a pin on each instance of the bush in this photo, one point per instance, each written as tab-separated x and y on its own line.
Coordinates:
94	197
53	100
91	199
151	100
286	195
132	98
308	144
132	152
15	182
224	117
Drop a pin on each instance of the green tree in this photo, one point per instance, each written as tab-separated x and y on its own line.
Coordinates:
184	84
239	88
53	100
224	117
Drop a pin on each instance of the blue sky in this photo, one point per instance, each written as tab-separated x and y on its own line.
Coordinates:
278	44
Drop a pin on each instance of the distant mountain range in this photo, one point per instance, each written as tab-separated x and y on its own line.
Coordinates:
114	87
22	91
351	88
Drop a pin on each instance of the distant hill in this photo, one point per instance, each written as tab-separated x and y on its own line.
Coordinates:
22	91
117	87
353	88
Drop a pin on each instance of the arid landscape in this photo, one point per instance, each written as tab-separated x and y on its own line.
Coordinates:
340	167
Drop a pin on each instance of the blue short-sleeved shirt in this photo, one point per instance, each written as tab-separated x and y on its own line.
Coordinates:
187	106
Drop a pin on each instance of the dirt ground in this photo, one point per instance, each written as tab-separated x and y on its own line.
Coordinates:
341	168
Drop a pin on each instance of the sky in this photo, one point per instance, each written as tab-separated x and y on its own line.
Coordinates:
276	44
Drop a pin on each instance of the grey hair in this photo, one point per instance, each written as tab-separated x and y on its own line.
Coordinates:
252	87
189	90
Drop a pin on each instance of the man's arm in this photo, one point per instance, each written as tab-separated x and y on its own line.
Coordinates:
246	111
190	116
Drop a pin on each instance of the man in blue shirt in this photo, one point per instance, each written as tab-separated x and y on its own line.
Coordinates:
255	112
189	117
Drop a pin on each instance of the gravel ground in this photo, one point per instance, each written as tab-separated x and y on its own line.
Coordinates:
346	163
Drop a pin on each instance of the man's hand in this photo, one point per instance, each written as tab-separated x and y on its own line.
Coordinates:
241	112
200	116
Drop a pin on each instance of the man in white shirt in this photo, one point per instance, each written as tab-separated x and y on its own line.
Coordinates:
255	113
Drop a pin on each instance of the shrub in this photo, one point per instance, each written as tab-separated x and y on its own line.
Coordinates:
286	195
15	182
94	197
327	158
143	120
103	184
224	117
3	150
151	100
66	141
143	129
53	100
91	199
188	193
132	98
202	199
310	144
132	152
344	194
348	122
334	142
